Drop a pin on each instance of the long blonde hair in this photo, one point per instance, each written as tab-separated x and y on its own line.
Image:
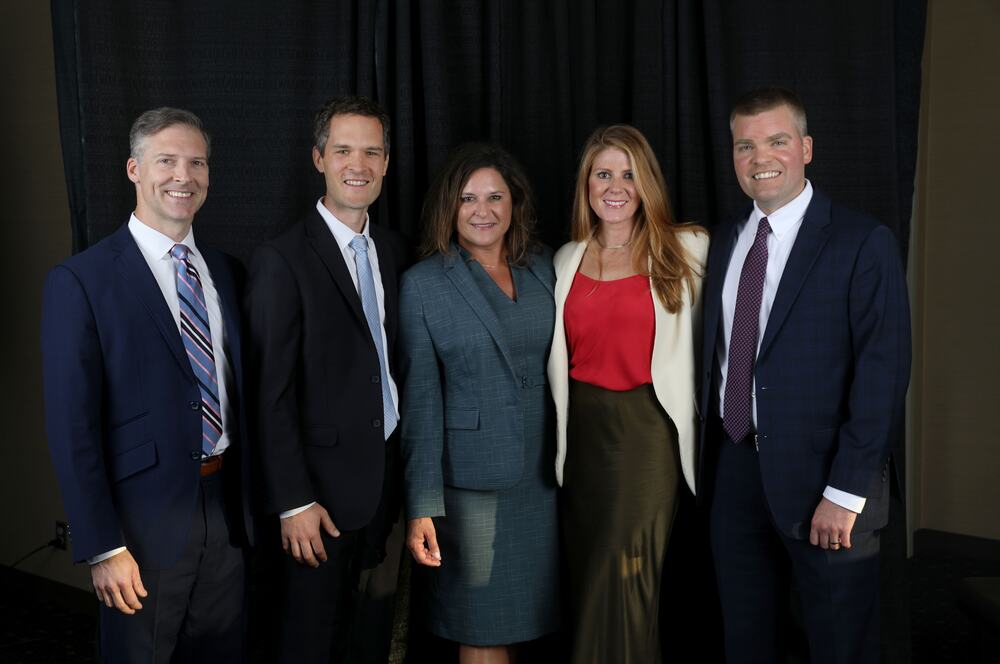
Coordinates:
658	251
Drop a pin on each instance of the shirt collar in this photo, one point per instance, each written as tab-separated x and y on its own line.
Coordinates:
342	233
786	217
154	243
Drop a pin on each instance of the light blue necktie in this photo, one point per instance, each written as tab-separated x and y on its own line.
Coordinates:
197	337
369	302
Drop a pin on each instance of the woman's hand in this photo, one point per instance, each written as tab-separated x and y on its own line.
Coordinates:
421	538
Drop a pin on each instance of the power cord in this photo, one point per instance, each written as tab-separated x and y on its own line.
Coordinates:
54	543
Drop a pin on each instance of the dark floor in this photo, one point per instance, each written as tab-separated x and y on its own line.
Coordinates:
45	622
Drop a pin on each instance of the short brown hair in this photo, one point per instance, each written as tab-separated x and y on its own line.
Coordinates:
754	102
439	214
362	106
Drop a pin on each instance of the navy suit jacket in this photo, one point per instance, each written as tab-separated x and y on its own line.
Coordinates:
833	366
122	407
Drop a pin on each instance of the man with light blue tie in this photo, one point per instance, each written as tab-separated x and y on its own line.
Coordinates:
323	315
143	381
806	359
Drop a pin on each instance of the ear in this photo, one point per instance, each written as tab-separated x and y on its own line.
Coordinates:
132	169
385	166
807	149
317	159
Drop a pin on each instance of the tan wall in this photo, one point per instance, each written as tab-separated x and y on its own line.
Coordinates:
955	273
36	227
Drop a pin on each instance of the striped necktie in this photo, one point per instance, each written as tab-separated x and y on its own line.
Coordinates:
197	337
369	303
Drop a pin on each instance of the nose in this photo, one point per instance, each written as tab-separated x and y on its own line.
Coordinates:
181	172
480	210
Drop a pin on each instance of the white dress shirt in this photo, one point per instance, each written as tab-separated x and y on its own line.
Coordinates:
155	248
343	234
785	223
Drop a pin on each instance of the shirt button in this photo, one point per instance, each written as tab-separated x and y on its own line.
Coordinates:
195	455
194	405
376	380
376	423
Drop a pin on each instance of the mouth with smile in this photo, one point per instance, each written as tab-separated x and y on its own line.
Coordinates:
766	175
356	182
180	194
483	225
615	205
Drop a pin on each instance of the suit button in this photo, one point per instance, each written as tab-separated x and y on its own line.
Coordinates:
376	423
195	455
376	380
194	405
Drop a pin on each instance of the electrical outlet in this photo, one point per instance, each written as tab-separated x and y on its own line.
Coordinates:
62	535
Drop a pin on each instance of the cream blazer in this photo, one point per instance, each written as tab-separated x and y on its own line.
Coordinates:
673	361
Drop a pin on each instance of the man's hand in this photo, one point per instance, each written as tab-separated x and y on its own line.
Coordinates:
118	583
300	535
421	539
831	526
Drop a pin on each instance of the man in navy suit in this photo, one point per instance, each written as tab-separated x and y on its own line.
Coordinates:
141	360
806	362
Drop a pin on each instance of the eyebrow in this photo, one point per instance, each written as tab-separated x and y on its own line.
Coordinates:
377	148
176	156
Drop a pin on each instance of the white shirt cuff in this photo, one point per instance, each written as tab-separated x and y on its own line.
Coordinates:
846	500
101	557
297	510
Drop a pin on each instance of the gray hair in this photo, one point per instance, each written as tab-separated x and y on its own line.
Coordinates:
156	120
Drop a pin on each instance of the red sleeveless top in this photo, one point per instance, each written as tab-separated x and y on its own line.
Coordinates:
609	331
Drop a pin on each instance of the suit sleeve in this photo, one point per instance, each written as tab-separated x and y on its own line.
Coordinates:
274	319
73	376
880	335
422	409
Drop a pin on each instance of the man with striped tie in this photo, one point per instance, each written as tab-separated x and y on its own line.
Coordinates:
141	360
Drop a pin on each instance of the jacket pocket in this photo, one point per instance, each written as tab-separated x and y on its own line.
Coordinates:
131	461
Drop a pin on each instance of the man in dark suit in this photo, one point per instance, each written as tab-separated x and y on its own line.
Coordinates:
141	359
323	307
806	362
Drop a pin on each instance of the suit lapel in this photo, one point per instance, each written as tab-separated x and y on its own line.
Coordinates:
387	267
326	247
139	280
458	273
809	243
222	278
544	274
715	278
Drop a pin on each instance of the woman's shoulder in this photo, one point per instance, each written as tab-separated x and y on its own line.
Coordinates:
695	240
564	253
427	268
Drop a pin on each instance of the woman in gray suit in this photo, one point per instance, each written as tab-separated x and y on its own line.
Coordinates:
477	436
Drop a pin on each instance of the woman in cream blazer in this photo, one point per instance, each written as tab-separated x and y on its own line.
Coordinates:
622	375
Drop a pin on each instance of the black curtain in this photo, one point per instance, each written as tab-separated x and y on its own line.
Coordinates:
535	76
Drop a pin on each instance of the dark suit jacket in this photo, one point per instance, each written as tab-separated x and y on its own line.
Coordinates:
833	365
319	400
122	407
464	423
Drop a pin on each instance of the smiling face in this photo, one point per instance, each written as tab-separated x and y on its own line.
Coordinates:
770	156
484	212
171	179
611	187
353	162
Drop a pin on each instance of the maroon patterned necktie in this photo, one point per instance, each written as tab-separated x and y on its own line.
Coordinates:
738	405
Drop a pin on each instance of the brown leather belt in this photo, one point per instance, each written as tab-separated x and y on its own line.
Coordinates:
211	465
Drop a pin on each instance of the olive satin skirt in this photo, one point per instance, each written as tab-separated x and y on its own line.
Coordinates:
619	497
